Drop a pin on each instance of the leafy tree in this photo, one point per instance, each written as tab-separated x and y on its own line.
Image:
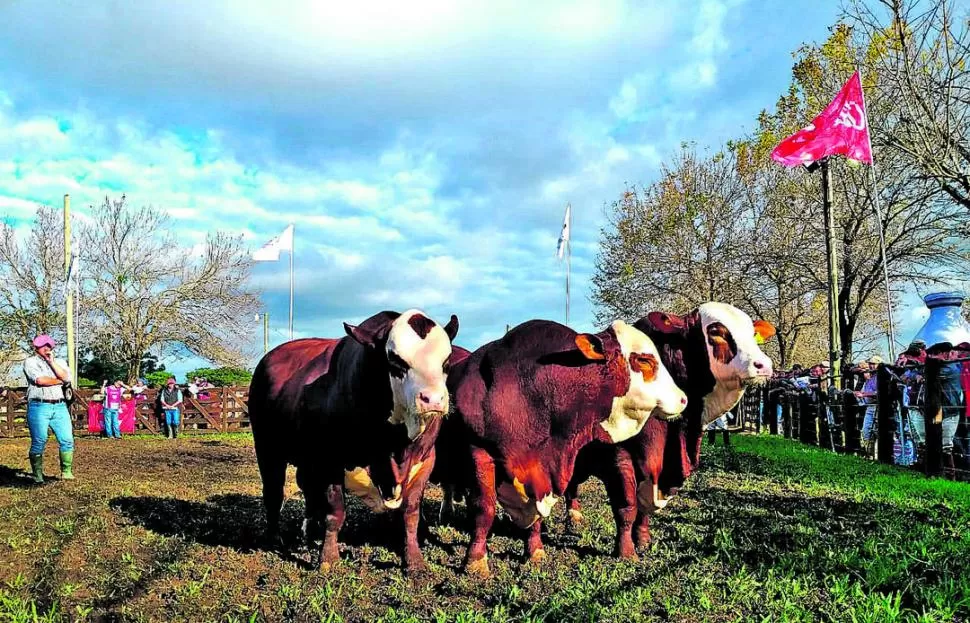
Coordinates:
157	378
95	364
222	377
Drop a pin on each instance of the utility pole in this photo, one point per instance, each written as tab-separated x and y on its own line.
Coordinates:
835	349
69	296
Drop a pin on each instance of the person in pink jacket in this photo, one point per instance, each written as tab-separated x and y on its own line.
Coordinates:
113	397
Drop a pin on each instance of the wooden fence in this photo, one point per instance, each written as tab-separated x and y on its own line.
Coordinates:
226	409
835	420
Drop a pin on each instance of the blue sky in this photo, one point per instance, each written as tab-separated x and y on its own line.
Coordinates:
425	150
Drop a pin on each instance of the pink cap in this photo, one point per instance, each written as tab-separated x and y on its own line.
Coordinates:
43	340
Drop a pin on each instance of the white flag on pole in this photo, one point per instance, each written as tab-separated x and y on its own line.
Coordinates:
564	236
71	281
270	252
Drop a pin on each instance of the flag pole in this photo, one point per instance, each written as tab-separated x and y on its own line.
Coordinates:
882	238
292	247
835	348
69	297
568	242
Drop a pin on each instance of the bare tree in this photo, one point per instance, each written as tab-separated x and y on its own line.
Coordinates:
923	228
671	245
151	293
920	51
31	285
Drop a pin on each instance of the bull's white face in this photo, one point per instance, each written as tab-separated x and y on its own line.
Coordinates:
736	359
652	390
417	353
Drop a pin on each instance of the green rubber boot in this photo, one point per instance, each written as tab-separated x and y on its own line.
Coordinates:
67	464
37	467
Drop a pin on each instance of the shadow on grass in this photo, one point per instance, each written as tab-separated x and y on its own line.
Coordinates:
17	478
238	521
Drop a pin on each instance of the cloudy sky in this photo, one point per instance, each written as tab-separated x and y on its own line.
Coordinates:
425	150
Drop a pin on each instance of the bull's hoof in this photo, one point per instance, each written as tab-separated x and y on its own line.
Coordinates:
273	541
537	557
643	540
414	564
478	568
626	552
575	520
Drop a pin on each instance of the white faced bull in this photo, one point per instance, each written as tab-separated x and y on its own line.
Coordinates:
417	351
652	390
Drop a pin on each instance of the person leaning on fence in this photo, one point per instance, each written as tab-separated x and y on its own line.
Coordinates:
46	408
171	399
867	396
113	397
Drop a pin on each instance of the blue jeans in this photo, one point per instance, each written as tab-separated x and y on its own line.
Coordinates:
171	417
112	427
42	416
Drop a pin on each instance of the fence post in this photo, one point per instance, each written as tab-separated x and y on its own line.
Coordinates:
224	418
808	426
771	406
787	415
824	432
850	421
884	414
933	417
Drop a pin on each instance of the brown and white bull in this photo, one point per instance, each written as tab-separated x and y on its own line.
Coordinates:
713	355
527	403
359	413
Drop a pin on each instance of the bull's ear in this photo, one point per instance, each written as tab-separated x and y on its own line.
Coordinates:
763	331
452	327
363	336
666	323
591	346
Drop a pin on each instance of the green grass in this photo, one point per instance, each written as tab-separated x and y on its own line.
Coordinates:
768	530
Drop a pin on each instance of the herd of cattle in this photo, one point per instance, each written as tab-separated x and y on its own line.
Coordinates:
520	422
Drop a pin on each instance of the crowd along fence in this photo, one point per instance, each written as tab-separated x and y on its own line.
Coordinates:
912	419
217	410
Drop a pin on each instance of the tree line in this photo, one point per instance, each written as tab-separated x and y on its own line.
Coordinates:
729	224
144	287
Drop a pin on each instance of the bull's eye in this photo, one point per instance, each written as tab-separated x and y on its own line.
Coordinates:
397	365
644	363
446	366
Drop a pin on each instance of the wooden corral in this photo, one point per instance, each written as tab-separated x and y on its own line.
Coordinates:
224	410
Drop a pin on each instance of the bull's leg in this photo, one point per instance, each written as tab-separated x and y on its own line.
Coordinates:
621	488
447	510
483	512
272	472
413	492
312	494
574	513
646	506
333	506
533	544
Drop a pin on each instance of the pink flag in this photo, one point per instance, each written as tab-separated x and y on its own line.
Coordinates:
842	128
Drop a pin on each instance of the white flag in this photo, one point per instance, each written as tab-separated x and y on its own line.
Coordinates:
270	252
564	236
71	280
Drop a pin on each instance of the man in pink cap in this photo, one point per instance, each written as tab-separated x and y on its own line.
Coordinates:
46	408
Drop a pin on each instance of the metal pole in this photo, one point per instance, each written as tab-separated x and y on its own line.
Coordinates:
292	247
265	332
882	239
834	346
69	297
568	243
